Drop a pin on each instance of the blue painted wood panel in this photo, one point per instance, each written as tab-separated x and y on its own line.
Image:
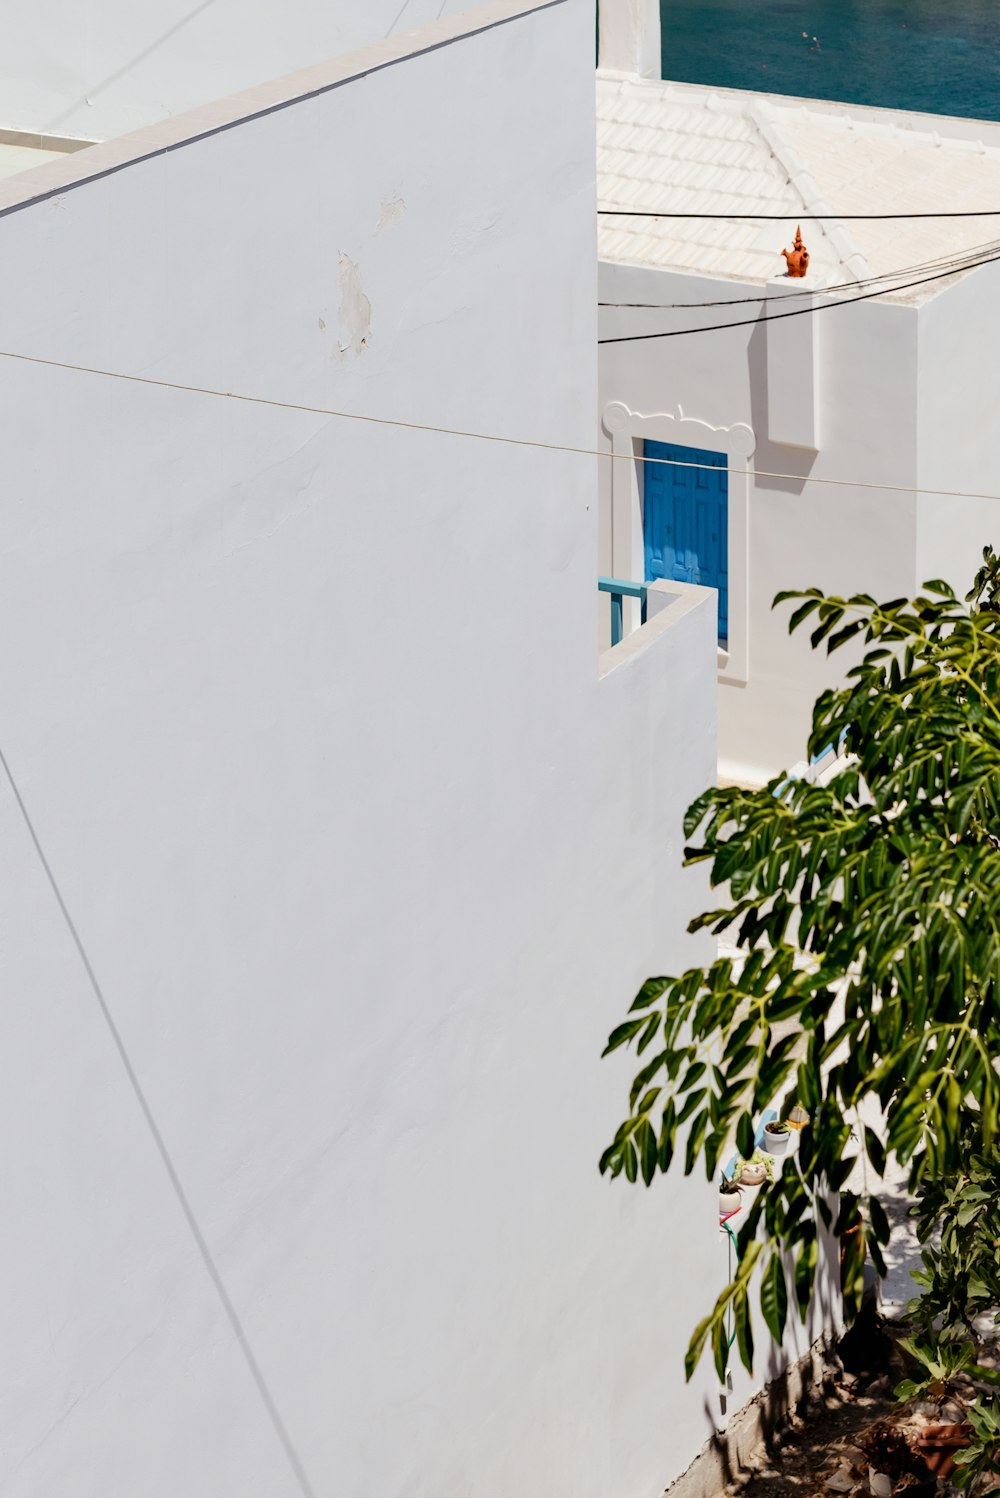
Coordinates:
686	520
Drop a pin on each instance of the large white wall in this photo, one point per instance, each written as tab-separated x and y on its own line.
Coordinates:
362	852
957	441
801	533
97	71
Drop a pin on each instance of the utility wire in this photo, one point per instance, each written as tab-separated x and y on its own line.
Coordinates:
798	218
750	322
958	261
474	436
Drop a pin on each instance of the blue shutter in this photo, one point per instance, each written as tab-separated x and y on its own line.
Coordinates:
686	520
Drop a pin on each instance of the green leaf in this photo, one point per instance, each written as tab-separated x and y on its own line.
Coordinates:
623	1033
745	1135
880	1223
968	1212
720	1348
667	1131
651	990
646	1140
696	1346
695	1140
774	1297
805	1274
744	1328
875	1150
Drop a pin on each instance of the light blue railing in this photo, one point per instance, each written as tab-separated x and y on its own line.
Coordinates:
620	589
815	759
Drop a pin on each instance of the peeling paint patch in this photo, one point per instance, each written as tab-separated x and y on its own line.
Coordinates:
355	310
322	325
392	210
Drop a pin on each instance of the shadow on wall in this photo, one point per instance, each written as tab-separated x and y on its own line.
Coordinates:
785	1392
769	457
98	88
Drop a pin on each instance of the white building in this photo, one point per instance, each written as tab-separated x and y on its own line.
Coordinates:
837	427
98	70
331	850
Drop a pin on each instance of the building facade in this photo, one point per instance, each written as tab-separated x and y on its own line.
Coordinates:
775	437
332	850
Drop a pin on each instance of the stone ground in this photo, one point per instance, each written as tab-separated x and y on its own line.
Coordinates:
817	1448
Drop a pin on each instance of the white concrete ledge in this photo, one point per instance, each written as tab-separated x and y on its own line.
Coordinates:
726	1457
666	605
33	140
97	161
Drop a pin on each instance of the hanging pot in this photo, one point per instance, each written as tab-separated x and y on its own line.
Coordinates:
729	1202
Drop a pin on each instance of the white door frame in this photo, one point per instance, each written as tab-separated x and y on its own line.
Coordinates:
626	427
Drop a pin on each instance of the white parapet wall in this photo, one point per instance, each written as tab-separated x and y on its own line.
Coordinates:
629	36
332	809
99	70
787	527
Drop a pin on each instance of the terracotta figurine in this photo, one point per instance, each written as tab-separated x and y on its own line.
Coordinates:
797	259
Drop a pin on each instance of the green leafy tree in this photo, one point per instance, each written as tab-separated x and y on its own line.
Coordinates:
959	1293
866	914
960	1275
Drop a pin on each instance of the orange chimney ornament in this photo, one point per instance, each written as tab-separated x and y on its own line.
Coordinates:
797	258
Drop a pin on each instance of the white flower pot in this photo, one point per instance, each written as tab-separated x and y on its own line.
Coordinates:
729	1201
775	1144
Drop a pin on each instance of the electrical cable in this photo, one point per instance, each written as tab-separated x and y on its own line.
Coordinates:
750	322
800	218
474	436
958	261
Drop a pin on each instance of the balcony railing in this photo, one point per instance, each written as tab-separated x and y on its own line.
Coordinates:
620	589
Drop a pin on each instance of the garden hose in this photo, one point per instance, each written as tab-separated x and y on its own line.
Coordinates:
735	1249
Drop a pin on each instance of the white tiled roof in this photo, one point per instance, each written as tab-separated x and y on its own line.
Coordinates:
678	148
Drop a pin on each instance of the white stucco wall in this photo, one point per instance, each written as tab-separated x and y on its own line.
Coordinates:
801	533
364	854
957	441
99	70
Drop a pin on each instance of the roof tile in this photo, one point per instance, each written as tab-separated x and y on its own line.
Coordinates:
664	146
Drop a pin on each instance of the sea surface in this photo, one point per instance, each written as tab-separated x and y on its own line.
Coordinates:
941	56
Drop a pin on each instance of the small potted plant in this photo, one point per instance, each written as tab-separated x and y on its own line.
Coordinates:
756	1171
943	1366
730	1196
776	1137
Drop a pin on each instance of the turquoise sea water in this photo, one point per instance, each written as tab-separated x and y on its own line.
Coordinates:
942	56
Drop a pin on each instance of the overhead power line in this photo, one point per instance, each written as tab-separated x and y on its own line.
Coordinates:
800	218
968	260
474	436
750	322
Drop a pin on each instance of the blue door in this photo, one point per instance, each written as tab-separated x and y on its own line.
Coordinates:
686	520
